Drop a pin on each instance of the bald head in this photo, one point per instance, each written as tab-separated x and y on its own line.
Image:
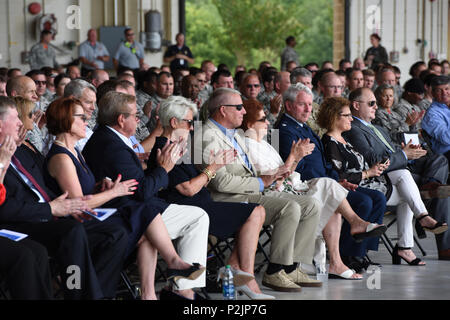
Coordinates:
330	85
282	81
22	86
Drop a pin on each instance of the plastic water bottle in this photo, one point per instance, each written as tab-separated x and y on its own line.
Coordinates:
228	290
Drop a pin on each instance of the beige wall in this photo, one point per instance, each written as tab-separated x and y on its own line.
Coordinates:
18	26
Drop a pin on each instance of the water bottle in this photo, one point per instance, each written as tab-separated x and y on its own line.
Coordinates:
228	290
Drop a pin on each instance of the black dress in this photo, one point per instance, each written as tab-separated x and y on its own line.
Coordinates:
226	218
135	216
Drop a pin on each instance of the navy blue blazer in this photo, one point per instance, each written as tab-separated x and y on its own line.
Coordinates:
21	203
366	142
312	166
108	156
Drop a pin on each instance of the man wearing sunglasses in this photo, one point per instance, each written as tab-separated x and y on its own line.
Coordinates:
429	171
294	219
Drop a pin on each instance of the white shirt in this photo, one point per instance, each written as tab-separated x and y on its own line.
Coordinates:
125	140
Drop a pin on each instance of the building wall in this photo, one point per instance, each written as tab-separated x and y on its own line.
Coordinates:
400	23
18	31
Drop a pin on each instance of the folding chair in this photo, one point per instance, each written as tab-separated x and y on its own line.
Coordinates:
387	241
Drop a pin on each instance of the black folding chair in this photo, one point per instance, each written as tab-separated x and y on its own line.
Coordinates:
387	241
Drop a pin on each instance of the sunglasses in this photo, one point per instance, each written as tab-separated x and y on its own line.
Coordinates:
346	115
40	83
82	116
263	119
249	86
237	106
189	122
370	103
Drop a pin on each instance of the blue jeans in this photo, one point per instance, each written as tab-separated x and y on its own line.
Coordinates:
369	205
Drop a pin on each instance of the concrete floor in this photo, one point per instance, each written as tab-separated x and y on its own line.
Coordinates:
396	282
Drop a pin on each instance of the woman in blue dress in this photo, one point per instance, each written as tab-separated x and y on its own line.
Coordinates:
67	170
187	186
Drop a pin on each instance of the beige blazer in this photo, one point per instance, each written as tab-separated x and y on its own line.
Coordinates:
233	180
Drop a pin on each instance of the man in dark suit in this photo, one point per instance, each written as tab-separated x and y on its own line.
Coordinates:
375	144
90	254
109	152
368	204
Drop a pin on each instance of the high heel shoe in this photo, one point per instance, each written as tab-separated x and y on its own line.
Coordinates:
239	277
372	230
396	259
438	227
253	295
190	273
419	230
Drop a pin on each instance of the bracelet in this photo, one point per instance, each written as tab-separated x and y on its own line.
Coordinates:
209	174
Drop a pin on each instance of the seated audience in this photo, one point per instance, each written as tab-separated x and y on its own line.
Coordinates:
58	223
187	185
294	218
429	172
24	264
436	121
327	191
109	153
67	170
401	191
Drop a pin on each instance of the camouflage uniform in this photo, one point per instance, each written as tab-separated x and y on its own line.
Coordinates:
393	122
40	57
403	108
312	121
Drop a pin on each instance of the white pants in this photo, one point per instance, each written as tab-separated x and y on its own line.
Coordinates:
330	194
406	196
189	226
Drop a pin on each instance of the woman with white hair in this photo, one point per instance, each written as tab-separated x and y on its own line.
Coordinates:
187	186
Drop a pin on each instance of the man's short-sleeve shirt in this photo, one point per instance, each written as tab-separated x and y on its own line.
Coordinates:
90	52
129	55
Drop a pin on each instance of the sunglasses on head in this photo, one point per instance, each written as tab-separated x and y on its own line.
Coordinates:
237	106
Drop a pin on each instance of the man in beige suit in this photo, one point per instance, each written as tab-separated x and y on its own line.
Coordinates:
294	218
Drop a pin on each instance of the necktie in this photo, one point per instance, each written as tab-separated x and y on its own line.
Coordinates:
19	167
380	135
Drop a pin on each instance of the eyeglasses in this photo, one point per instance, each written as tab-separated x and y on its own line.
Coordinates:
237	106
370	103
40	83
189	122
263	119
345	115
249	86
136	117
82	116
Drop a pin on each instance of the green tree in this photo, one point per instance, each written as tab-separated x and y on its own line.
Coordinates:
250	31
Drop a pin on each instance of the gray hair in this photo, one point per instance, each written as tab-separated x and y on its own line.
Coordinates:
175	107
218	98
293	91
299	72
112	105
379	91
76	87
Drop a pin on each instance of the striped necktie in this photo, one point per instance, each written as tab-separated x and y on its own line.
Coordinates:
380	135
